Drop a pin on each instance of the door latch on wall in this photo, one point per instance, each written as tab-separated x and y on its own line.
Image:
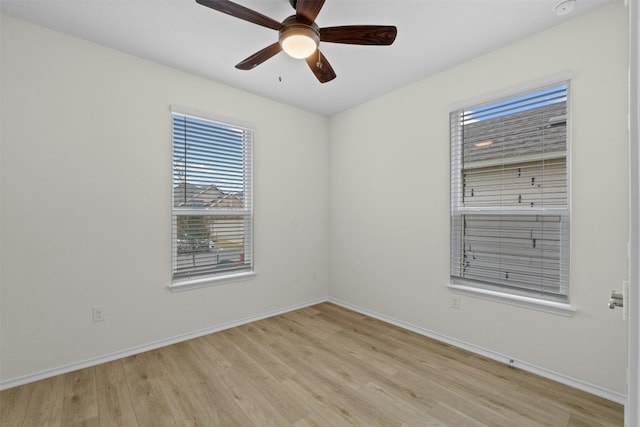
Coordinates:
616	300
620	299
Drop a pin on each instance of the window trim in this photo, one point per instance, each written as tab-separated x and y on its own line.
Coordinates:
520	297
205	282
537	304
188	283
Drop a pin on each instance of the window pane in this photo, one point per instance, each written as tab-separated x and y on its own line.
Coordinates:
212	211
210	162
509	194
519	251
210	245
541	129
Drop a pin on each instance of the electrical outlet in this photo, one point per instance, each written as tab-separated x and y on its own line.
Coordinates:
455	302
98	313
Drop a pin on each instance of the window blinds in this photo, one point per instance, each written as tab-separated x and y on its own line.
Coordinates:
212	198
509	194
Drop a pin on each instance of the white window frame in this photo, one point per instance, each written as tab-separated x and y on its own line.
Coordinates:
180	282
557	304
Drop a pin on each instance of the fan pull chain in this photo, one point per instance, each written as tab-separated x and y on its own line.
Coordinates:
319	63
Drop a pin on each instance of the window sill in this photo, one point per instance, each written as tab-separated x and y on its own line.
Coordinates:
203	282
557	308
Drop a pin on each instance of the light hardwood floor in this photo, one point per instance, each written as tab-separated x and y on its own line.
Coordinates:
318	366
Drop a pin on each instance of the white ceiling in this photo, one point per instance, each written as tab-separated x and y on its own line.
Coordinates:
433	35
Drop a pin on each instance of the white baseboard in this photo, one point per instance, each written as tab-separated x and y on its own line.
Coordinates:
48	373
543	372
596	390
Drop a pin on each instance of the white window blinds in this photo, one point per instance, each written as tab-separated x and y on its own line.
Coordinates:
212	221
509	195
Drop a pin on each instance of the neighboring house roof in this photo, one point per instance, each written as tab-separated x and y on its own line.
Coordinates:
210	196
518	134
229	201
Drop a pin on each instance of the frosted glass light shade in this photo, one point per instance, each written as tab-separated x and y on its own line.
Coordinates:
299	45
299	40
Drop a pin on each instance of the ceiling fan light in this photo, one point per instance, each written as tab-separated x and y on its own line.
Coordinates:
298	39
299	46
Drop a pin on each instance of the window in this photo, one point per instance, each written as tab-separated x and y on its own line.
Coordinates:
509	195
212	215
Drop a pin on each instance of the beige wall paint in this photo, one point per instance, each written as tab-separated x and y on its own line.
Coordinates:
86	198
389	192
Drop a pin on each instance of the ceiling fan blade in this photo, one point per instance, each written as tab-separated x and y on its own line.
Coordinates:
309	8
320	67
379	35
233	9
259	57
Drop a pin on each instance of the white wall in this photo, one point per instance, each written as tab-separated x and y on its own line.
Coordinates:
389	196
85	202
86	193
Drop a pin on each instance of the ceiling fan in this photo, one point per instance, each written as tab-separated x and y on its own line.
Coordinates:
299	35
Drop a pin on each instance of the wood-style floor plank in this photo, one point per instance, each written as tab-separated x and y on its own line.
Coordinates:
317	366
201	370
80	403
312	420
14	403
388	401
45	405
115	405
252	341
232	345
